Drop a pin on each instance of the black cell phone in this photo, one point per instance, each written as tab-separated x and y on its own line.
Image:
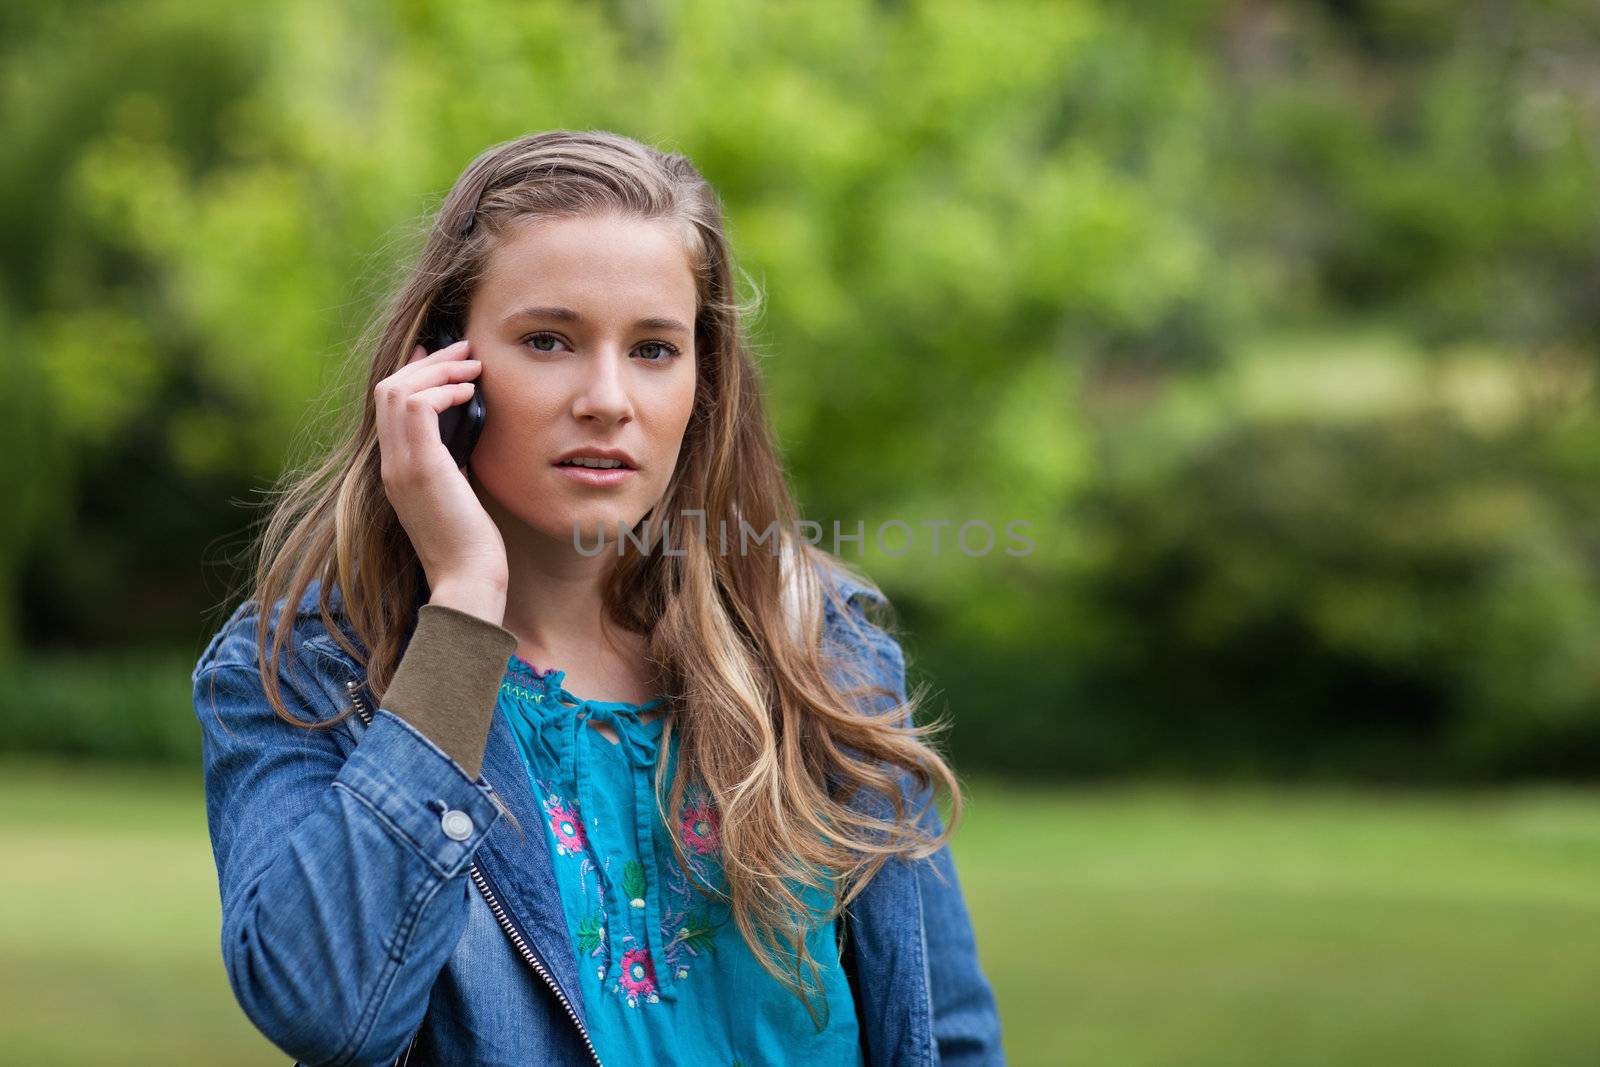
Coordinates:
460	425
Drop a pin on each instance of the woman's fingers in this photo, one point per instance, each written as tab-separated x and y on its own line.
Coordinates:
421	357
420	354
422	414
439	397
402	441
441	514
416	376
394	391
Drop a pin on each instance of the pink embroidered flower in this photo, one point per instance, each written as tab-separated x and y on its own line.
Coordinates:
701	826
638	978
568	828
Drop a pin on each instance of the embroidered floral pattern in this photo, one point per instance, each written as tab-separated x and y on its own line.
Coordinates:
638	977
633	886
592	934
566	825
696	935
686	919
689	921
701	826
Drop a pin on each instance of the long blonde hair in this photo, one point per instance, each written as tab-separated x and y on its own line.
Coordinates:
768	720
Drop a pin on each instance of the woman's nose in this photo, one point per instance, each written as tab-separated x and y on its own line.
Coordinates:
603	393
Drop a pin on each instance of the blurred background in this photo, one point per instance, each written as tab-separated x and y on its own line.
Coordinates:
1279	323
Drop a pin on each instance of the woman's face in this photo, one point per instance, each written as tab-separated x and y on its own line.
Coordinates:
585	327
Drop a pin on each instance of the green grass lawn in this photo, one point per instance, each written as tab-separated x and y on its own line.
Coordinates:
1120	926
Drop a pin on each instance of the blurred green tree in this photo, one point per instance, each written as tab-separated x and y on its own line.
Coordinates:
1276	322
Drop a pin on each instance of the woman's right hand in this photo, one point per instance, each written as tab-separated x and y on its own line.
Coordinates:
458	544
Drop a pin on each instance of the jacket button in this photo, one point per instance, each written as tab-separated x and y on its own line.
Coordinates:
457	825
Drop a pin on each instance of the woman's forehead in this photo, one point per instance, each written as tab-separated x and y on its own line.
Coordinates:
626	264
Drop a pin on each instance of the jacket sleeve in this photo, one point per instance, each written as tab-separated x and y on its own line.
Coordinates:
966	1021
341	872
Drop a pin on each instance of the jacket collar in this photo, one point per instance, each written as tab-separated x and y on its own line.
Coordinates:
308	605
848	585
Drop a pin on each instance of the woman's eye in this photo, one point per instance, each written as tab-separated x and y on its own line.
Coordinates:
536	340
653	351
665	349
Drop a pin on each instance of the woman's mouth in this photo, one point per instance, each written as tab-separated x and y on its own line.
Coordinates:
598	473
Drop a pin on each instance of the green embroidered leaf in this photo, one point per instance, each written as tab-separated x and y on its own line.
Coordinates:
591	932
633	880
698	934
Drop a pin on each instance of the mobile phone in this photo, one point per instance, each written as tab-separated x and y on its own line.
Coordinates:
461	424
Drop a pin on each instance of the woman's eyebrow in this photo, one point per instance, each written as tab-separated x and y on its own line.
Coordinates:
562	314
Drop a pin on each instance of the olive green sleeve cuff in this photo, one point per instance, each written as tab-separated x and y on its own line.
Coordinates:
448	681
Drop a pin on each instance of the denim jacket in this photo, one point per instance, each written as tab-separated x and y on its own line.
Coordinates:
378	908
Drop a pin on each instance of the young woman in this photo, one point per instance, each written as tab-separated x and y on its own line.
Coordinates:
481	794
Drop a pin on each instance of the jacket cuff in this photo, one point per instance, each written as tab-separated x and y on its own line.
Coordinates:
419	793
448	681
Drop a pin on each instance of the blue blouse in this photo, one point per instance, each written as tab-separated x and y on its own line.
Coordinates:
665	975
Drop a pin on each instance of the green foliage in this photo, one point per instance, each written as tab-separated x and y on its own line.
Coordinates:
1276	322
133	705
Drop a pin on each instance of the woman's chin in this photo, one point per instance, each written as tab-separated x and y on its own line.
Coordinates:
585	526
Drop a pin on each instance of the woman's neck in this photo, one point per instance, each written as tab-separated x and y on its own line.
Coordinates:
555	610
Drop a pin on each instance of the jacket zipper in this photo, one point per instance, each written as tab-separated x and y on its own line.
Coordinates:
500	914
